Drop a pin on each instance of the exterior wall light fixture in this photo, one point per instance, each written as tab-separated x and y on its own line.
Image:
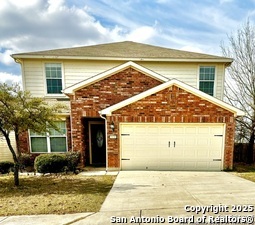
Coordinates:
112	126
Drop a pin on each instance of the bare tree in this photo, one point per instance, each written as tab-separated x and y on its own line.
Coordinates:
19	111
240	82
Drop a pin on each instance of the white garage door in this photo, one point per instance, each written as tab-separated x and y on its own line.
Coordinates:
165	146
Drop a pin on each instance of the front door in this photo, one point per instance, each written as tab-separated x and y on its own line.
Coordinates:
97	143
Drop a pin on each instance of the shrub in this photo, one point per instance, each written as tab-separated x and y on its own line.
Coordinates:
6	167
50	163
27	162
73	159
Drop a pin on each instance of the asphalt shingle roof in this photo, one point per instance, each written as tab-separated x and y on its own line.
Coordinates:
122	50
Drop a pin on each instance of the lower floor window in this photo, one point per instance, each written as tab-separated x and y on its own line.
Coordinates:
53	141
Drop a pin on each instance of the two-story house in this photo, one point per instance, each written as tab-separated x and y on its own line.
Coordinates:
134	106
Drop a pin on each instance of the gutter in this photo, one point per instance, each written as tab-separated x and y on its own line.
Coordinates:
106	142
109	58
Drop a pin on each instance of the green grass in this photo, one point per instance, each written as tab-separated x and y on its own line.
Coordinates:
53	194
245	171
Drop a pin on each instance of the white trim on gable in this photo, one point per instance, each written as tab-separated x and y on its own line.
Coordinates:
108	111
108	73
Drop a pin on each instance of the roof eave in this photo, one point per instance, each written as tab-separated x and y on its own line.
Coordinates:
215	60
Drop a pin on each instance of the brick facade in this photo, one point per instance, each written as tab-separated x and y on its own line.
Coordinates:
173	105
24	142
89	100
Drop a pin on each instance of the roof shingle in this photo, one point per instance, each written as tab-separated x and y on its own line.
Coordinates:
126	50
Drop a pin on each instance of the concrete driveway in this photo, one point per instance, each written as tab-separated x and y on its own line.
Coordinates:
172	197
154	197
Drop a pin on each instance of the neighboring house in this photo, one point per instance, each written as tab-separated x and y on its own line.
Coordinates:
134	106
5	153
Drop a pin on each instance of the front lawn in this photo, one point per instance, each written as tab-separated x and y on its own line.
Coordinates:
245	171
53	194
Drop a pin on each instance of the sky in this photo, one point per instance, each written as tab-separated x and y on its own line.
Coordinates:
192	25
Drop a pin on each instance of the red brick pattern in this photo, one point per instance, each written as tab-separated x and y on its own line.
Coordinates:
89	100
173	105
24	142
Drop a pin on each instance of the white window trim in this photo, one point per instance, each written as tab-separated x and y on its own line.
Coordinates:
45	82
215	77
47	136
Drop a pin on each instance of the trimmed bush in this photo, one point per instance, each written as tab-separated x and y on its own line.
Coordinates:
73	158
27	162
6	167
50	163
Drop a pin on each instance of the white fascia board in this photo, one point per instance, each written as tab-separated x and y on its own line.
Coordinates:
215	60
87	82
108	111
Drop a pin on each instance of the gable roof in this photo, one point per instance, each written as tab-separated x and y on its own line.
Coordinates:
108	73
108	111
126	51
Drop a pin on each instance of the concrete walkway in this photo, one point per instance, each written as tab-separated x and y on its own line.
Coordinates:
167	198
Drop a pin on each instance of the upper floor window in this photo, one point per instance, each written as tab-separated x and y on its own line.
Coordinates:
206	79
53	78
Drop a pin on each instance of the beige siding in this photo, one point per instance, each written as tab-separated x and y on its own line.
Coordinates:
33	80
220	81
5	154
188	73
76	71
185	72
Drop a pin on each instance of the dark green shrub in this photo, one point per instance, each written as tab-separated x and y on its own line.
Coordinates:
6	167
50	163
26	162
73	158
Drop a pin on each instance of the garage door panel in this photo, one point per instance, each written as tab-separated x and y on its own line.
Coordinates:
165	130
172	147
191	130
190	153
190	141
128	141
203	142
216	131
153	130
178	130
201	153
140	130
145	155
203	130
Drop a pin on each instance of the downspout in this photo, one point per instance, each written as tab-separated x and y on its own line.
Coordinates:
71	97
20	61
106	142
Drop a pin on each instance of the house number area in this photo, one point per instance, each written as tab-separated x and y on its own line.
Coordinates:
216	215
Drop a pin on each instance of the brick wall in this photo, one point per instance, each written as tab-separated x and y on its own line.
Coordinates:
89	100
24	142
172	105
